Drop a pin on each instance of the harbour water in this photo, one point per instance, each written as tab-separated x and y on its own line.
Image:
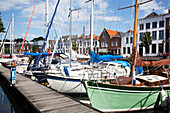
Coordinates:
5	105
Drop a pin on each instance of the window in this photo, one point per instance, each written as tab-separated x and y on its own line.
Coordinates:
80	43
161	23
102	44
95	43
154	24
113	44
116	51
141	26
168	30
117	43
128	50
140	36
104	35
147	25
154	35
88	43
161	34
153	48
131	39
127	40
85	43
124	50
106	43
160	48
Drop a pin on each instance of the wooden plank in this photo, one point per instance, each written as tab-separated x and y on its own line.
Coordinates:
44	98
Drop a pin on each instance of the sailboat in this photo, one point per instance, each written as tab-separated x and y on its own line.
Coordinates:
129	93
37	69
69	76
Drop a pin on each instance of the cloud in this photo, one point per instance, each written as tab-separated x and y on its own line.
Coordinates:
38	13
6	5
108	18
148	7
165	11
36	24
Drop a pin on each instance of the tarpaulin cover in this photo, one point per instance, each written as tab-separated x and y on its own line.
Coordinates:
123	63
97	58
43	54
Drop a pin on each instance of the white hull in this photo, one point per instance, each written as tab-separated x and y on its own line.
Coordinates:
65	84
21	69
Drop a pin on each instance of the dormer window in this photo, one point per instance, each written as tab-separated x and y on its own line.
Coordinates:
104	35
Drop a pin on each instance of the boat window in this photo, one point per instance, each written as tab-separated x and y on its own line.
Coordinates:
103	66
111	66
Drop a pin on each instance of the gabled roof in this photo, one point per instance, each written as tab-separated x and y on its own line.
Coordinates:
90	36
96	38
129	31
153	14
119	34
111	32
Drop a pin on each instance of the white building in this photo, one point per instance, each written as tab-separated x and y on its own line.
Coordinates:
84	49
64	43
127	43
158	27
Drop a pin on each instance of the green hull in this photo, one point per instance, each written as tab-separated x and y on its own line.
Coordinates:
119	98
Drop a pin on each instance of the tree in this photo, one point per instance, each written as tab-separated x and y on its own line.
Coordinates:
34	48
146	40
18	40
37	39
2	29
74	46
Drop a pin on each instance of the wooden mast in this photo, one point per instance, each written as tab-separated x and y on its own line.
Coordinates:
134	38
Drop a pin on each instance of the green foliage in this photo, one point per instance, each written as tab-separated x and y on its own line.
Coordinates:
34	48
146	40
2	29
37	39
75	46
18	40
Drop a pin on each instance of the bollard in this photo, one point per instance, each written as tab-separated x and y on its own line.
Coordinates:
23	71
13	75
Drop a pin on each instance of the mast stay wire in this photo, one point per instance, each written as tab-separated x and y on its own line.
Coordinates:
59	27
103	14
114	14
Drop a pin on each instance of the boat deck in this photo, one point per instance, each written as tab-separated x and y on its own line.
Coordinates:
42	98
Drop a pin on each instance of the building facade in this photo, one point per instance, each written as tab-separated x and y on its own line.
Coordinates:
159	27
110	42
127	43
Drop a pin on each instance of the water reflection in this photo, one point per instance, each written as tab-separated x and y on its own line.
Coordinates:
5	105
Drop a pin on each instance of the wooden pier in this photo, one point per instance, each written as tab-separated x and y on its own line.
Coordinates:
38	98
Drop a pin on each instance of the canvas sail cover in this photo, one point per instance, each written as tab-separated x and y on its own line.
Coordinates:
140	63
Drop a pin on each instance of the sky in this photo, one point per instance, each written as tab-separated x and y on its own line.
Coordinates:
106	15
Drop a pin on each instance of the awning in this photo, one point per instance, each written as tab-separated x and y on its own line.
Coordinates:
102	50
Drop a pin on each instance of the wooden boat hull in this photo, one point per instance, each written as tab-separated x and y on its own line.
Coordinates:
112	98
